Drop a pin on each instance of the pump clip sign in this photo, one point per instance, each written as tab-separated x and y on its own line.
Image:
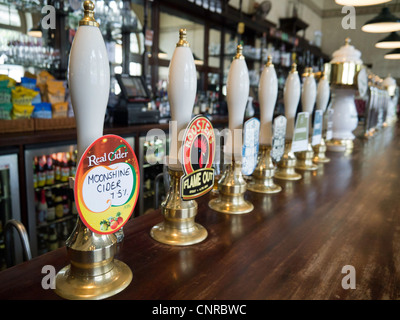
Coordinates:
107	184
198	149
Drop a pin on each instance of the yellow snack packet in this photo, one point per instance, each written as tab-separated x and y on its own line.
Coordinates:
59	109
23	96
55	91
41	81
21	112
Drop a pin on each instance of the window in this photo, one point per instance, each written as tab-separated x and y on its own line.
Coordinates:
9	16
169	35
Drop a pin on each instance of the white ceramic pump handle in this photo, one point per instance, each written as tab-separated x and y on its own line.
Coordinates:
309	94
88	80
181	86
268	94
291	98
323	92
237	93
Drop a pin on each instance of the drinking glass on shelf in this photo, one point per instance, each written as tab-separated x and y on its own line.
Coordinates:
218	164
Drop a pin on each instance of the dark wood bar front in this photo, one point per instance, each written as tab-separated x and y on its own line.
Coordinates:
294	244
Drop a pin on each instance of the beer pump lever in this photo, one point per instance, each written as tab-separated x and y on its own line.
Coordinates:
308	96
262	178
323	92
232	185
291	95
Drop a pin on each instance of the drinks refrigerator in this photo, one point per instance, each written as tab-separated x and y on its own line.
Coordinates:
152	150
51	207
9	202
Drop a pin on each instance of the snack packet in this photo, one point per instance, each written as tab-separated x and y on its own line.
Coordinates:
60	109
22	96
42	111
41	81
55	91
6	81
38	98
5	111
5	95
21	111
28	83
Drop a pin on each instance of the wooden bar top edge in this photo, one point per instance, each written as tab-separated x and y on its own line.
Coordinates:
296	245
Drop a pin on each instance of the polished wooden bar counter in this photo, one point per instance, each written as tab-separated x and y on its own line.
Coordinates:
292	246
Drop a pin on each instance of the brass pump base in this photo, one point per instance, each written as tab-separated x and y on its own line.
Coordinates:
319	152
179	227
93	273
305	159
262	178
340	145
232	188
77	287
286	166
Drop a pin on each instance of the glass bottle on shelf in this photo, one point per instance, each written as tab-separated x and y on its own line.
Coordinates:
49	171
65	167
216	105
52	241
282	55
42	209
65	202
57	166
42	237
41	172
51	210
210	108
72	166
203	103
58	202
276	56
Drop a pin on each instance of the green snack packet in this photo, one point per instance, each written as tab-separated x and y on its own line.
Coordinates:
5	95
5	111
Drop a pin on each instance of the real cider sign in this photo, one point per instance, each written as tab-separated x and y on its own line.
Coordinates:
198	149
107	184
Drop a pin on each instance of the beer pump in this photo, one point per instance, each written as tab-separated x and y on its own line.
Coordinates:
93	273
179	227
232	185
262	177
291	95
323	92
308	96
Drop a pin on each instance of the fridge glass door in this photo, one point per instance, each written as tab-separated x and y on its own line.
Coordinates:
52	211
50	205
9	203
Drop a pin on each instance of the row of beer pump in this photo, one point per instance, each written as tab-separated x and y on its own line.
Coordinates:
93	273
